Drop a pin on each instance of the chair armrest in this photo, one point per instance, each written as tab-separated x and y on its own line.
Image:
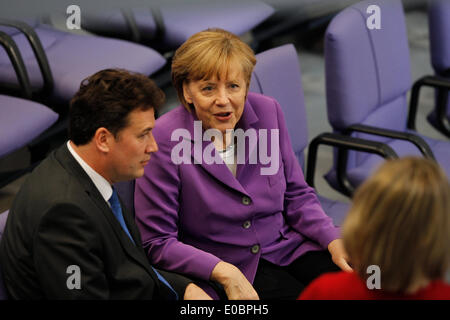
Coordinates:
343	143
38	50
423	147
19	67
443	86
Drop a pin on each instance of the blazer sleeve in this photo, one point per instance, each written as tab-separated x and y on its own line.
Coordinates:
66	250
177	281
303	210
157	208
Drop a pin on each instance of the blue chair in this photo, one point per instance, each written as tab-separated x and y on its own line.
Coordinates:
58	61
277	74
166	26
305	18
302	18
3	217
439	25
22	121
367	79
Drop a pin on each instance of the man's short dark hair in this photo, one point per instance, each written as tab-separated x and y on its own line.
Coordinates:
106	98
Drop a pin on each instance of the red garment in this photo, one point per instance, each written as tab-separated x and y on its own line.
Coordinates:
349	286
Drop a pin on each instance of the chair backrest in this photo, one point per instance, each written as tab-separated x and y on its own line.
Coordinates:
72	58
277	74
3	217
367	70
439	25
174	22
22	121
32	22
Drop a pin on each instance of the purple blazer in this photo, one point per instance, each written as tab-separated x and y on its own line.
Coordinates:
191	216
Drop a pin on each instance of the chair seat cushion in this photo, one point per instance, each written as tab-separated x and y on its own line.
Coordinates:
441	150
356	175
184	19
22	121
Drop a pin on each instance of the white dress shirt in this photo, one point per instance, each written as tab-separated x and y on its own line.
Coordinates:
229	158
103	186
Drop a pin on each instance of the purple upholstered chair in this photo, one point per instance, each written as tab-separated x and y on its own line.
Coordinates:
439	23
3	217
21	121
58	61
277	74
367	79
167	25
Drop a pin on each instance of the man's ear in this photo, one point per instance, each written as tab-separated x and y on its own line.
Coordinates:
102	139
187	93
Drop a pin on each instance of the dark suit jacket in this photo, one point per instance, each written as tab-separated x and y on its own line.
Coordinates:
59	219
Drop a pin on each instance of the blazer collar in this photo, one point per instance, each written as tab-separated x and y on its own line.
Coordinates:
136	252
220	171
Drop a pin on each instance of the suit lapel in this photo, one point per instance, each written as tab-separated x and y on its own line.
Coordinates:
134	251
220	170
248	122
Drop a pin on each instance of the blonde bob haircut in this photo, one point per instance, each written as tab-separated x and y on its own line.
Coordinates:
207	54
400	221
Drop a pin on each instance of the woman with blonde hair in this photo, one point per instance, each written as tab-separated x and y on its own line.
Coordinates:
243	227
397	236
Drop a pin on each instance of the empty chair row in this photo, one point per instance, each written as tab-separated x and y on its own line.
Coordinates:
166	25
56	61
368	77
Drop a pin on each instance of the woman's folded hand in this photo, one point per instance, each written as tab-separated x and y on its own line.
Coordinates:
236	285
194	292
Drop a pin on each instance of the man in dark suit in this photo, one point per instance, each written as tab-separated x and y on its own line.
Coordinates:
67	235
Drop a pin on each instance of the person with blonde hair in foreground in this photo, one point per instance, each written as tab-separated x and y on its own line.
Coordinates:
399	223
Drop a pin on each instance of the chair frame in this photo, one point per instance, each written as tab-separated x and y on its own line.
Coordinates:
443	88
343	143
38	50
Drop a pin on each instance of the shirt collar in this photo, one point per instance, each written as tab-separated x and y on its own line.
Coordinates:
103	186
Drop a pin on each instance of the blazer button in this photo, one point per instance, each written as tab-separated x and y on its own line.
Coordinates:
246	200
255	249
247	224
